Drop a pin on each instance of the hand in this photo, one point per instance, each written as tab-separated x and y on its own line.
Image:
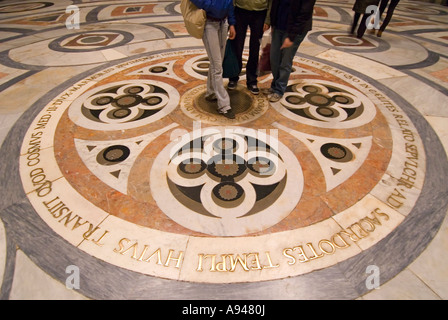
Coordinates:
232	32
286	44
266	27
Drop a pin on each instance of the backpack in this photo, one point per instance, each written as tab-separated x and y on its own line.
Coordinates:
194	18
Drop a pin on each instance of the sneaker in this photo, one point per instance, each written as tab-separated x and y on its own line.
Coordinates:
253	88
232	85
229	114
274	97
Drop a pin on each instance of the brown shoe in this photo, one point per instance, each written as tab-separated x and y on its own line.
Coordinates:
274	97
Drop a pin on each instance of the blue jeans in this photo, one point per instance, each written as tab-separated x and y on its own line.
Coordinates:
281	60
214	38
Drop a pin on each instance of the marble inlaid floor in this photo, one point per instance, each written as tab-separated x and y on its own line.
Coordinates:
119	180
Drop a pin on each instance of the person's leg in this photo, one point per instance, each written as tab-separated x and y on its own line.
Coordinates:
383	6
241	31
281	79
355	22
362	26
215	35
275	56
390	12
256	23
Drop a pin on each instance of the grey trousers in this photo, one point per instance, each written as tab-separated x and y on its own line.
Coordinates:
214	38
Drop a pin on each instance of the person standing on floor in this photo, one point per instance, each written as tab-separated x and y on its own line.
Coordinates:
290	20
390	11
253	14
220	23
360	8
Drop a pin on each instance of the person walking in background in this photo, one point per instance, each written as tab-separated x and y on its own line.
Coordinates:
220	23
390	11
253	14
290	20
360	8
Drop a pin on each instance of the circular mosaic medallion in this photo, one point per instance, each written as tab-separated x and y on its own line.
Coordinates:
246	107
326	104
89	41
123	104
125	166
226	181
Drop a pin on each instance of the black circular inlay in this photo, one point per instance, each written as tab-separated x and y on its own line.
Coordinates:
228	191
336	152
113	154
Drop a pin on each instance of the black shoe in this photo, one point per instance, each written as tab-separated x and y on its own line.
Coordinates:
232	85
229	114
253	88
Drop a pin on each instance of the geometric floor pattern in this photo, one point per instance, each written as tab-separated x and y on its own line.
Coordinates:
119	180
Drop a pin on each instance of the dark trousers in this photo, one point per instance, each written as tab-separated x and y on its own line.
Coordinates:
390	11
362	26
255	21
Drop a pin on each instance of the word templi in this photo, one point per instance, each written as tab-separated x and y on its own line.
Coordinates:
296	254
257	261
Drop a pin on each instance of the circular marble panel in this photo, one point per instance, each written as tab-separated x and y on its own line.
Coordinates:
119	167
124	104
246	107
86	191
226	181
88	41
97	43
